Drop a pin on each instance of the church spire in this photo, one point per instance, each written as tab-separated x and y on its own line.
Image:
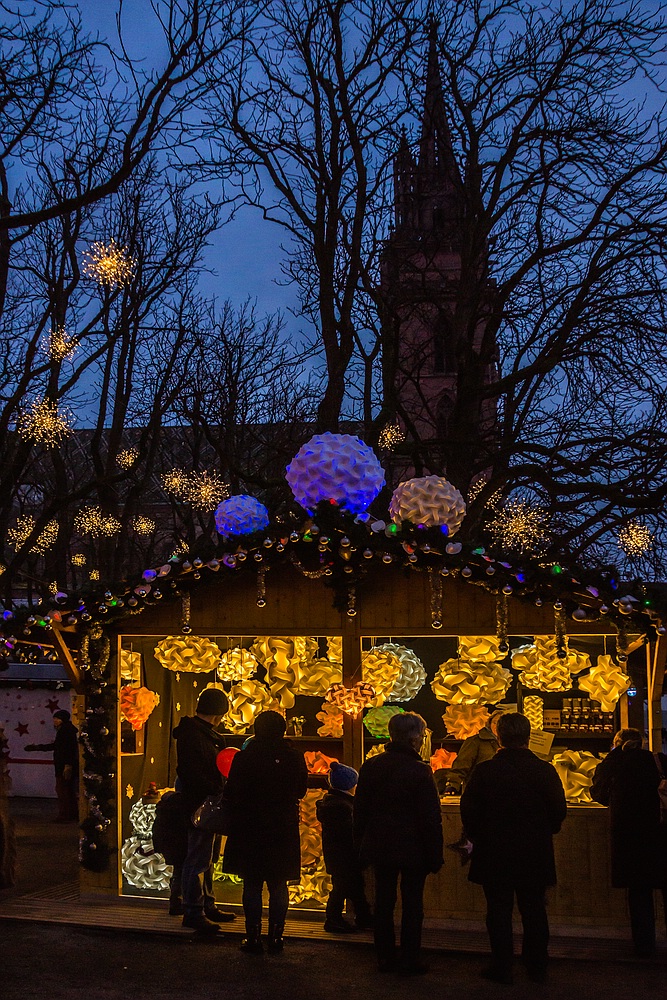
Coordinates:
436	153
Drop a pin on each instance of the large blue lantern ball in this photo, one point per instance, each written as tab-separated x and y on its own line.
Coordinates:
336	467
240	515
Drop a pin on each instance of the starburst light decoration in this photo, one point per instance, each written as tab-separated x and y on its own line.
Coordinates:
24	527
175	482
428	500
462	721
94	522
44	422
94	574
78	559
240	515
635	539
204	490
336	467
143	525
58	345
109	264
126	458
390	436
521	526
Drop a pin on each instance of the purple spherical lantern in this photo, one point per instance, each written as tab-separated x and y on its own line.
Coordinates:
336	467
240	515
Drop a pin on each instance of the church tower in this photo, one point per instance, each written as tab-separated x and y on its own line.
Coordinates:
437	295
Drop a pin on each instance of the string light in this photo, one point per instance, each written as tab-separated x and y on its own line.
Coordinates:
94	574
391	435
78	559
127	458
24	527
635	539
94	522
42	422
59	345
181	549
175	482
143	525
109	264
53	587
521	526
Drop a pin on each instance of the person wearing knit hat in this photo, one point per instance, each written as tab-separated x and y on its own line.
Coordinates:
65	747
335	813
198	744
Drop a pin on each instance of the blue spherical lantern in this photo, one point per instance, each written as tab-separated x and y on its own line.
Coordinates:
240	515
336	467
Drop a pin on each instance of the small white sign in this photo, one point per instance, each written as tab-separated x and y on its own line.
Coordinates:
540	743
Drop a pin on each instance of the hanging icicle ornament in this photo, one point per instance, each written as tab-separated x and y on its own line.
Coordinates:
261	587
429	500
560	627
435	586
338	468
240	515
501	622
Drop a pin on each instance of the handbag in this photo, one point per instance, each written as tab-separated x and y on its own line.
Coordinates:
213	815
662	789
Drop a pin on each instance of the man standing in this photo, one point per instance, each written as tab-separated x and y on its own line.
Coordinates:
398	828
481	746
198	745
511	807
65	748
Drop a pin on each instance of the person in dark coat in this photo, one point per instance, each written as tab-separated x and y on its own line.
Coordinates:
335	811
398	830
65	748
266	781
197	745
481	746
511	807
627	781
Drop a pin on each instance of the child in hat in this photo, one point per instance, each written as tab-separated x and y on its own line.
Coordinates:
335	813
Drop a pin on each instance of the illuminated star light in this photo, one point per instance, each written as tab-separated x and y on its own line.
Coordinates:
109	264
143	525
127	458
94	574
59	345
205	490
24	527
78	559
42	422
521	526
94	522
391	435
175	482
635	539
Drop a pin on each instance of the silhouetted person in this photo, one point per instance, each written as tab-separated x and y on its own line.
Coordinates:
65	747
511	807
266	780
398	829
481	746
198	745
627	781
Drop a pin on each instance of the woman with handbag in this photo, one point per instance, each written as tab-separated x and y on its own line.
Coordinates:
627	781
265	783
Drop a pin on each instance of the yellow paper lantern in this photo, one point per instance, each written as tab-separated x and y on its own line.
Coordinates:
246	700
605	683
470	682
283	667
331	718
316	679
484	648
411	677
188	654
576	769
237	664
533	709
353	700
381	669
463	721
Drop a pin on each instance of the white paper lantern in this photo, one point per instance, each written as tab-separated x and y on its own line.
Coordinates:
336	467
431	501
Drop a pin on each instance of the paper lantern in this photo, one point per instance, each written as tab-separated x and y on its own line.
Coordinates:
136	704
381	668
130	666
336	467
533	709
331	718
318	762
485	648
412	675
282	665
142	817
471	682
462	721
310	829
335	648
605	683
240	515
542	669
142	866
351	700
442	759
246	700
374	751
575	770
317	678
237	664
376	720
188	654
429	500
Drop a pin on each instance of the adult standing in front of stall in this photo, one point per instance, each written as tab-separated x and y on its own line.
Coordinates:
627	781
511	808
266	780
198	744
65	748
398	828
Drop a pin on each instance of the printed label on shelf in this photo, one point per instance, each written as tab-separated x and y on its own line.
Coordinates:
540	742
